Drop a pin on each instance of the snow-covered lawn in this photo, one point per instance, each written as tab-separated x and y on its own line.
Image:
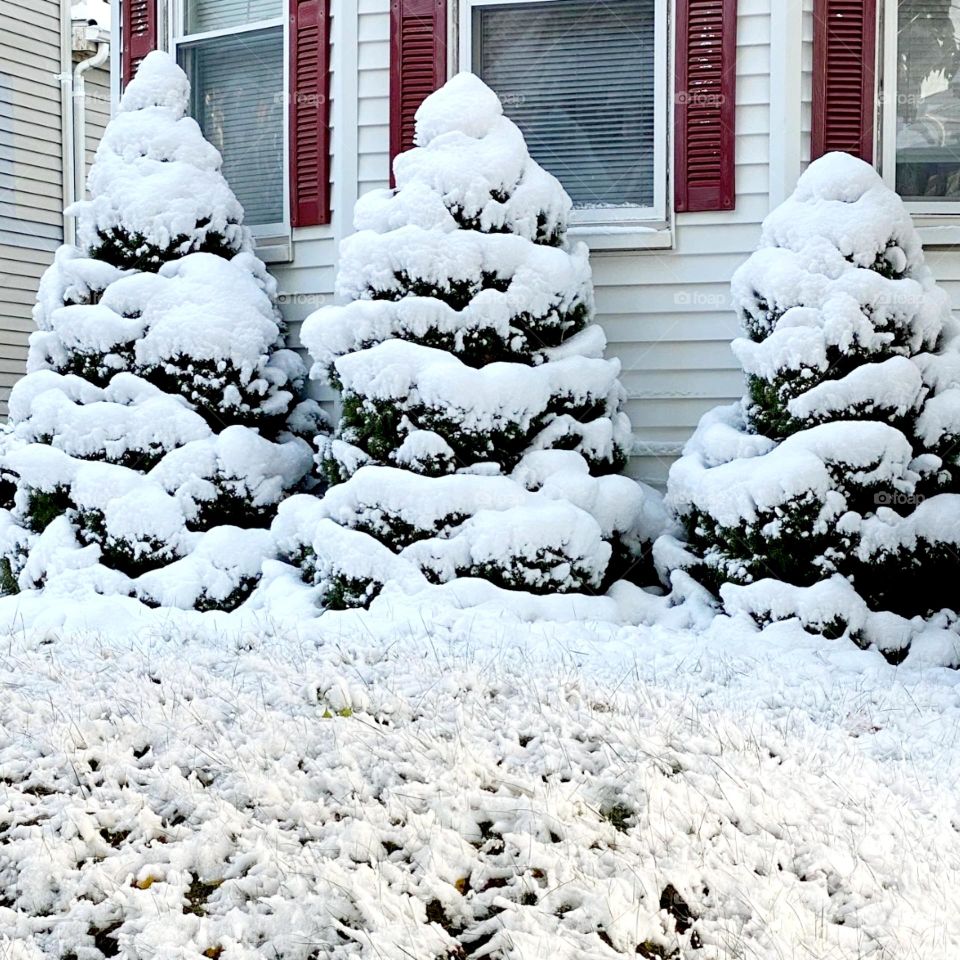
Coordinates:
424	782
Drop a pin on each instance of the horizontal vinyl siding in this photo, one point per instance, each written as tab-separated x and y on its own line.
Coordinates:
31	181
666	313
97	108
373	79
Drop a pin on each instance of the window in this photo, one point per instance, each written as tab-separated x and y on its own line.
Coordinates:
921	103
233	51
586	83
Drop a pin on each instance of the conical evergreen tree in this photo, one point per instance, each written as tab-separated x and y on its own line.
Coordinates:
153	437
481	426
840	461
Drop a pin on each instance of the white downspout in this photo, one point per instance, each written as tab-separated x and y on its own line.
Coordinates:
66	110
80	113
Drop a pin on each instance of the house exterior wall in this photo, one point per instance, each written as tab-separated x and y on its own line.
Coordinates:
666	312
31	178
98	110
665	307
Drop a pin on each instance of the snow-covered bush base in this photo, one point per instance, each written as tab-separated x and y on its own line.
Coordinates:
549	528
840	459
437	784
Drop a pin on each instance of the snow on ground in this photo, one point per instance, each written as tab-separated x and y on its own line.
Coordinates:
426	781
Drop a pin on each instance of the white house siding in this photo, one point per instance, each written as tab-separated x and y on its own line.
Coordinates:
359	111
666	312
31	184
98	110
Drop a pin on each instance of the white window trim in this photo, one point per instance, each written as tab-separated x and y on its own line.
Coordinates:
936	221
272	239
605	227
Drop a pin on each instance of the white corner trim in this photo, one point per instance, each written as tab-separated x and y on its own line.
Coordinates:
786	97
344	118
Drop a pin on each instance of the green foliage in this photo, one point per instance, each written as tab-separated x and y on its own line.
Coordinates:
372	426
341	592
217	390
44	506
375	426
128	558
787	544
98	368
129	251
533	574
229	603
8	582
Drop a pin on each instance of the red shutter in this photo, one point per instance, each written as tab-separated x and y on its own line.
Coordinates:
705	104
844	77
139	37
309	112
418	63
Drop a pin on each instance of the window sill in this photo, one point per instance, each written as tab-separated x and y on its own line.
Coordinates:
274	249
622	238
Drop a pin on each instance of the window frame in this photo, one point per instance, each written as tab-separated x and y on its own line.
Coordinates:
613	217
887	97
264	233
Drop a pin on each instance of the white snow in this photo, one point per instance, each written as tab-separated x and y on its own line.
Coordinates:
263	784
91	11
811	465
499	397
475	159
154	176
893	387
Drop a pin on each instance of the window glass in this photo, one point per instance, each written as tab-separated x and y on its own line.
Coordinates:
238	100
578	78
204	16
928	99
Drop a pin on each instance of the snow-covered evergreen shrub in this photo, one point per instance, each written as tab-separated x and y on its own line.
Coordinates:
481	427
150	441
842	458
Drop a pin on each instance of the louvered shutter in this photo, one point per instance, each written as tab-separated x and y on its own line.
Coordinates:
139	37
309	112
844	77
705	105
418	63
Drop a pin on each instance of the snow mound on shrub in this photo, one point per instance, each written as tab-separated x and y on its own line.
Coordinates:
155	178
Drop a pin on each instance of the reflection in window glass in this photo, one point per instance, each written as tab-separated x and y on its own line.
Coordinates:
204	16
238	100
928	99
578	78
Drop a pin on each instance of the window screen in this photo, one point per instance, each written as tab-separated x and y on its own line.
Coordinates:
204	16
928	99
238	100
578	77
